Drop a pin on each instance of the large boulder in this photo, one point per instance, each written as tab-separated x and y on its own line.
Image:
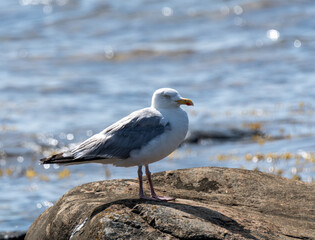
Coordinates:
211	203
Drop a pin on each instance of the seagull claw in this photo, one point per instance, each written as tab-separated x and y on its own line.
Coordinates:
166	199
158	198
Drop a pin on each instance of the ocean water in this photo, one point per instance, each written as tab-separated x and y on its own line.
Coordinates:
69	68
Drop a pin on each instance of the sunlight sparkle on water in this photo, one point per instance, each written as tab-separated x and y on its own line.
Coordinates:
70	136
56	166
20	159
238	10
273	34
52	141
34	2
225	10
297	43
167	11
294	170
255	159
89	133
109	52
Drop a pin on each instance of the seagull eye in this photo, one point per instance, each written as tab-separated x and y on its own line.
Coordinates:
166	96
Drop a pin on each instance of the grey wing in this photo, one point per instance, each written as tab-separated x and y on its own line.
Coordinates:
130	133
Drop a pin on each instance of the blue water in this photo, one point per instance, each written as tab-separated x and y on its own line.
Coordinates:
69	68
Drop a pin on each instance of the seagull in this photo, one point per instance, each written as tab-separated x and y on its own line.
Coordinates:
143	137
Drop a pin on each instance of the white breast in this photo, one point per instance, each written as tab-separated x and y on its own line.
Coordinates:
163	145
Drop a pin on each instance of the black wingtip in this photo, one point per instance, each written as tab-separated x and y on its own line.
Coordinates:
45	160
56	158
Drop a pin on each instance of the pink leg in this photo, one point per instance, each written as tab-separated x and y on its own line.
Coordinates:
153	194
141	195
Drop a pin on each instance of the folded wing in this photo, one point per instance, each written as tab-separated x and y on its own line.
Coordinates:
117	141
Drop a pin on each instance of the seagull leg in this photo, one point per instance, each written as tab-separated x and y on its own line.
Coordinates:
141	194
153	194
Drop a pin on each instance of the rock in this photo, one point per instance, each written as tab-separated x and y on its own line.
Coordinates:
232	134
212	203
16	235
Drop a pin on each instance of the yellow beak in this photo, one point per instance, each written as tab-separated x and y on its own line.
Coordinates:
185	101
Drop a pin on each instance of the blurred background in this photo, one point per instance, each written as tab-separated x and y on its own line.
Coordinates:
70	68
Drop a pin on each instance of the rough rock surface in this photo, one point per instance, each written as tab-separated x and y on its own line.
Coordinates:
212	203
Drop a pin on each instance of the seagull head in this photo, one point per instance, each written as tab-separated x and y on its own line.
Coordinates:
169	98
